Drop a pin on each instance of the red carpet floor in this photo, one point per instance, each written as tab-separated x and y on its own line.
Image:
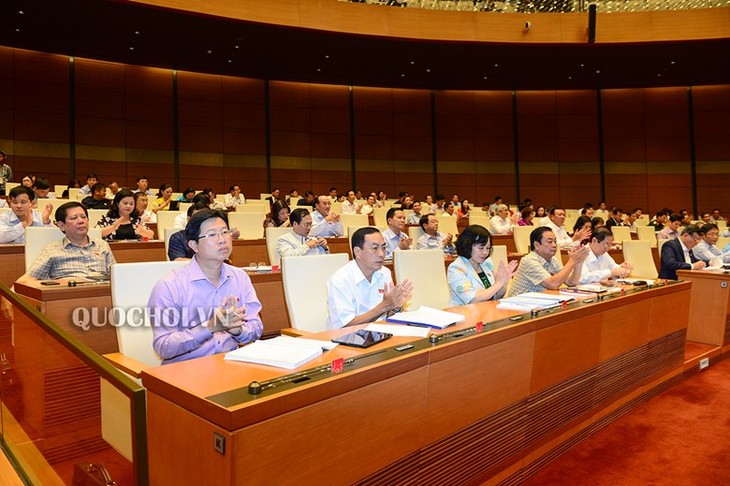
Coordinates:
681	437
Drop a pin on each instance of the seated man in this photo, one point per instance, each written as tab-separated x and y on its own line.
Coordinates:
234	197
91	179
707	249
556	217
143	186
76	255
22	215
541	269
616	218
677	254
113	189
363	291
671	229
367	208
42	189
298	242
206	306
415	216
598	265
177	247
632	219
350	206
395	236
324	222
500	223
432	238
98	199
307	200
660	219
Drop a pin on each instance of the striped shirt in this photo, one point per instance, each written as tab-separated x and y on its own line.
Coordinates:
62	259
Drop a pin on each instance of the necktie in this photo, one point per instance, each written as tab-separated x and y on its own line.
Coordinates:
692	256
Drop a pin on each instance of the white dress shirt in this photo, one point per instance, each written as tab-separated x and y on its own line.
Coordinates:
292	244
229	201
597	268
349	208
707	252
500	226
564	241
349	294
322	228
13	231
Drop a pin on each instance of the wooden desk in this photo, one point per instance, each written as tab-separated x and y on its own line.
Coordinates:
709	306
482	407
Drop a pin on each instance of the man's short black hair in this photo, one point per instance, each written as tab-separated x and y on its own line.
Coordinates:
62	210
91	175
536	235
474	234
424	221
691	229
201	197
99	186
552	210
233	186
192	230
391	212
42	184
197	206
18	190
706	228
358	237
675	218
142	177
601	234
297	215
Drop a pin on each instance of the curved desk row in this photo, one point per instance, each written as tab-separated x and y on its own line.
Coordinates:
469	408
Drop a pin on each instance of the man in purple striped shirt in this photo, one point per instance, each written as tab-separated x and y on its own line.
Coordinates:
207	306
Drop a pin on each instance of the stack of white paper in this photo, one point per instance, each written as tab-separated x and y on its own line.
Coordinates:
427	316
282	353
532	300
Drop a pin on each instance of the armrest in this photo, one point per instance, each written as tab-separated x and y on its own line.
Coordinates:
126	364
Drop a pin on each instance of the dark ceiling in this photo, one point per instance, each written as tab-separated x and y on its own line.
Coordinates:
135	34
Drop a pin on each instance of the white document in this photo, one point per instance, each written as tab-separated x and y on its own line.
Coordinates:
325	345
532	300
281	353
427	316
399	330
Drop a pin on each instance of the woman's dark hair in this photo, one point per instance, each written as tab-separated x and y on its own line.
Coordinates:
580	222
162	189
114	209
472	235
526	212
192	230
278	206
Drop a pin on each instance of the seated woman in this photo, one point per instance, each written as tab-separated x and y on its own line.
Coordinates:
27	181
527	215
279	216
164	198
584	222
74	183
122	222
463	210
472	277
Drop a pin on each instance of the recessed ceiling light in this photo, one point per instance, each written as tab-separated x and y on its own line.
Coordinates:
413	62
496	65
327	56
21	12
136	32
428	70
210	51
598	71
235	47
131	48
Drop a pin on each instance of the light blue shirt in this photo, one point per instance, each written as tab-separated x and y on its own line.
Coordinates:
392	241
13	231
321	228
464	282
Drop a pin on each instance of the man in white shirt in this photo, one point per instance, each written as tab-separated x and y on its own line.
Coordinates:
415	216
22	215
350	206
394	236
495	205
671	230
598	266
325	222
631	220
234	197
500	224
367	208
557	219
716	216
363	291
432	238
707	248
91	179
298	242
143	186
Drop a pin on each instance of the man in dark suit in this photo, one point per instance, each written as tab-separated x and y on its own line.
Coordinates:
677	254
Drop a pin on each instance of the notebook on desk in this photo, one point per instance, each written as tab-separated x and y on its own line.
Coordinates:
426	316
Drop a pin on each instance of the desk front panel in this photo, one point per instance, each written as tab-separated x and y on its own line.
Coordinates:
508	391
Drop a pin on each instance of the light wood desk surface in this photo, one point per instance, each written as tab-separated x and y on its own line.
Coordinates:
397	416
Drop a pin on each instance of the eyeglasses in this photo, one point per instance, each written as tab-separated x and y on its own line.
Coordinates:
221	234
